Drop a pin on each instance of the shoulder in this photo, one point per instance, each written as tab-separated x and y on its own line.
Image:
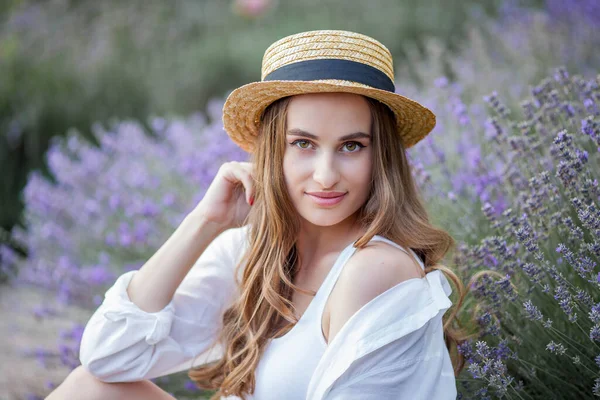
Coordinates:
370	272
380	264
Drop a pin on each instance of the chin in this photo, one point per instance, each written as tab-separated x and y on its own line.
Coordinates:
324	217
323	221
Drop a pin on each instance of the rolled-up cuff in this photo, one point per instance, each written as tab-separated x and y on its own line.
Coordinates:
118	306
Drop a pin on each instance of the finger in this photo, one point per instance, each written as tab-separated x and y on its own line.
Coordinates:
245	178
249	168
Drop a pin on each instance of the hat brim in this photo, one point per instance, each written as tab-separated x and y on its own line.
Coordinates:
243	108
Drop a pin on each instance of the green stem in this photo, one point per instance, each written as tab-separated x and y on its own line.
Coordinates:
568	340
586	334
552	375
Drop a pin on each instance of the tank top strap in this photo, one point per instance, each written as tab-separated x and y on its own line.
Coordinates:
330	280
327	286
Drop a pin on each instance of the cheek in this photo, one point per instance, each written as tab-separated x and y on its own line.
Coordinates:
287	170
291	170
360	172
296	166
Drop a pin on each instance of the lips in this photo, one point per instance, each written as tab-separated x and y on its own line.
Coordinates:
333	198
326	195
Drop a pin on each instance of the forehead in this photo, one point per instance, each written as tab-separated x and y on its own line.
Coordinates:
321	113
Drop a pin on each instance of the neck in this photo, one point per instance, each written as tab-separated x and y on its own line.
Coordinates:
315	241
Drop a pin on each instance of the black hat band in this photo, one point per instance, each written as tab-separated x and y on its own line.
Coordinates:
311	70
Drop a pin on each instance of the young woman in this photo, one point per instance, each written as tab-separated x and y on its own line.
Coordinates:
310	272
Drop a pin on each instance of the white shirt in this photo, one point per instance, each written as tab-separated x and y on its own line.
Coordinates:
392	348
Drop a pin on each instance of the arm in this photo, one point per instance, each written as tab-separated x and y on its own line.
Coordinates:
156	320
153	287
416	367
141	331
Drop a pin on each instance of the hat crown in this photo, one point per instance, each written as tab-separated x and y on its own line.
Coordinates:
327	44
321	62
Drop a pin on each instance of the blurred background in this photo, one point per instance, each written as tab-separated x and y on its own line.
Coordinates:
110	132
71	64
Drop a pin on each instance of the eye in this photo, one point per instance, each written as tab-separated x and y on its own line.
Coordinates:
301	143
353	146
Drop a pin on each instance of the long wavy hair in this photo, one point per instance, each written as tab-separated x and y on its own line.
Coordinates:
264	309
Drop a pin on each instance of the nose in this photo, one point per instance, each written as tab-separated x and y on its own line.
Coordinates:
325	171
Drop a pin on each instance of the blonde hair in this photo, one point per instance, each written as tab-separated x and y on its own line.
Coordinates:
264	309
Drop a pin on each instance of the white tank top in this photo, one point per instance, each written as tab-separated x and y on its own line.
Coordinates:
288	362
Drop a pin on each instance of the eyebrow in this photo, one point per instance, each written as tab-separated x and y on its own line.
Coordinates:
355	135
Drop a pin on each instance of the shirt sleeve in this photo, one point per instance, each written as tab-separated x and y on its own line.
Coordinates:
392	348
122	343
414	367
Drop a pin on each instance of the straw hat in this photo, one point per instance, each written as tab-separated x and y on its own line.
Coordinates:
323	61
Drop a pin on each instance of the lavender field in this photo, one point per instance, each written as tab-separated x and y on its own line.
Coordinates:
511	171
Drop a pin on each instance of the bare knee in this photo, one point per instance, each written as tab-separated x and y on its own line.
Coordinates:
81	384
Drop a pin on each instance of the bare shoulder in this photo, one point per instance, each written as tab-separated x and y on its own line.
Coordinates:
381	262
369	272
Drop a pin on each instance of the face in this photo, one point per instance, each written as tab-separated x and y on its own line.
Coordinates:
328	153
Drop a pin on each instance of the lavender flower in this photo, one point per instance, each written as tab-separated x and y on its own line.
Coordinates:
111	208
533	313
556	348
547	255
